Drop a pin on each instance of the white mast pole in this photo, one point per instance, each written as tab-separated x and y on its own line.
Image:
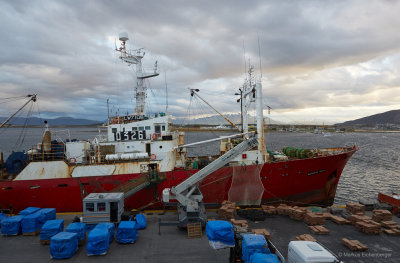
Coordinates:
260	122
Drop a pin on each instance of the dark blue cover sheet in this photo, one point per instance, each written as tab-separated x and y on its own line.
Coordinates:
140	221
29	210
33	222
264	258
251	244
110	227
79	228
98	241
63	245
12	225
50	213
51	228
221	231
2	217
127	232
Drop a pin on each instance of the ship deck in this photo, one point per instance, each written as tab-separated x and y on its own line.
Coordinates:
174	246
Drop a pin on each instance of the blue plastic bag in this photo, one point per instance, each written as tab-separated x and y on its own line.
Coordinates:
140	221
251	244
29	210
63	245
12	225
2	217
264	258
51	228
98	241
220	231
78	228
127	232
33	222
110	228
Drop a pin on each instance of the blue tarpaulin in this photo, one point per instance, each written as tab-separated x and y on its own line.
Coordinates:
51	228
29	210
98	241
63	245
12	225
264	258
50	213
79	228
110	227
221	231
2	217
140	221
251	244
126	232
33	222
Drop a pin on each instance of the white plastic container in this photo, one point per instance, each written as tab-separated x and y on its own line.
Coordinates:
308	252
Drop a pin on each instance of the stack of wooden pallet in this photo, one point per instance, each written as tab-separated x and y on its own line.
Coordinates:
262	231
269	209
357	218
194	230
241	226
319	230
392	232
339	220
354	245
311	218
354	208
381	215
283	209
297	213
227	210
306	237
369	227
389	224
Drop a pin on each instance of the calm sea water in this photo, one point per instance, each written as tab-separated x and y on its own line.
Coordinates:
374	168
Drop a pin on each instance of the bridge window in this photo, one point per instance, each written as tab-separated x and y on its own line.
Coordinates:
163	128
147	128
141	128
90	207
134	128
101	207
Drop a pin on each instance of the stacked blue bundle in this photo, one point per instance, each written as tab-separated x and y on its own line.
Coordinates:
29	210
51	228
126	232
12	225
110	228
220	231
63	245
2	217
78	228
251	244
50	213
264	258
140	221
33	222
98	241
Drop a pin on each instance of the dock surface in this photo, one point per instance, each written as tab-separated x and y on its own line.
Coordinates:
174	246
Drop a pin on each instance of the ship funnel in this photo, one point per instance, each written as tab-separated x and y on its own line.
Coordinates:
123	36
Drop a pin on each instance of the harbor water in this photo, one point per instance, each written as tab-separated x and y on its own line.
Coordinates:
372	169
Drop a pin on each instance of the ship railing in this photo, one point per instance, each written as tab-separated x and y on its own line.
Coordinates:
57	153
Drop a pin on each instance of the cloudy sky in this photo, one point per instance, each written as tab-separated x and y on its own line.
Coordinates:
322	61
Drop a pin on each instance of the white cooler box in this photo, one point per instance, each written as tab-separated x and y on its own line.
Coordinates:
307	252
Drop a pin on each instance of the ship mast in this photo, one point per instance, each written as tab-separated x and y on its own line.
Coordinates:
135	57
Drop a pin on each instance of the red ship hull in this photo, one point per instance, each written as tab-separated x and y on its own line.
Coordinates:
301	181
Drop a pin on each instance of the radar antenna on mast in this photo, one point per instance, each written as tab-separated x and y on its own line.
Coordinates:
135	57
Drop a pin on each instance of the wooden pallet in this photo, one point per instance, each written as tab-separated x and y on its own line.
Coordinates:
37	232
194	230
45	242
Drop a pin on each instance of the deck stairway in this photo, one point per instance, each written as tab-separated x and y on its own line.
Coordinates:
133	186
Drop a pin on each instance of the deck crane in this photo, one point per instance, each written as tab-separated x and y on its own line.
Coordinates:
190	199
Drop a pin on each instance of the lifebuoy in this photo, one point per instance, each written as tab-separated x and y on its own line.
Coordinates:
72	160
153	156
155	136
